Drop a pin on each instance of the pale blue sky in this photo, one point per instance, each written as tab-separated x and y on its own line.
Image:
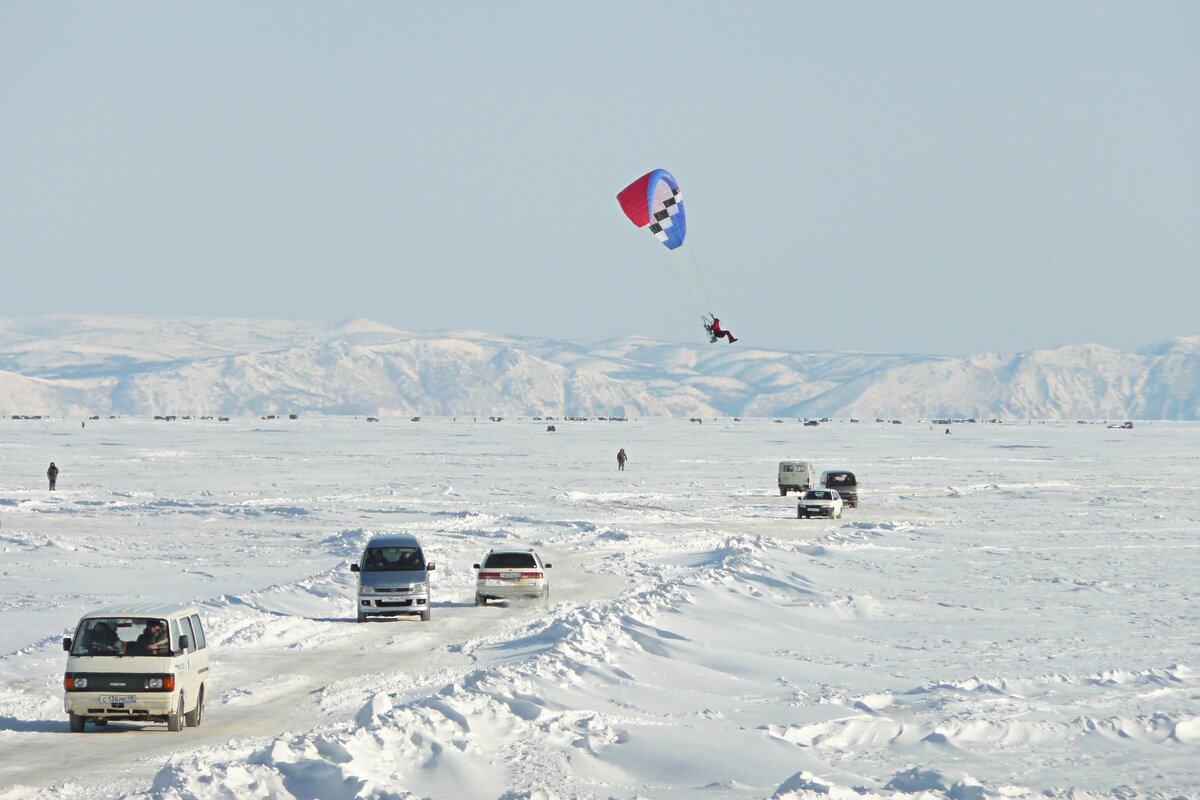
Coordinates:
937	177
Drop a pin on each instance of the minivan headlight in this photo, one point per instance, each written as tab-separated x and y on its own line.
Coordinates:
366	590
154	683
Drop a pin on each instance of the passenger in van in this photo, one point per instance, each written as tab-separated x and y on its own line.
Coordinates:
153	639
375	559
103	641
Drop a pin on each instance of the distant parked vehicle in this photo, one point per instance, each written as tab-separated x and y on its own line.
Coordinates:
820	503
137	662
508	574
795	476
393	577
844	482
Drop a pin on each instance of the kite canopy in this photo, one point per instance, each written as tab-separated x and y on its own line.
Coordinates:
654	200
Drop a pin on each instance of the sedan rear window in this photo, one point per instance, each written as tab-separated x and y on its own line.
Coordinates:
510	561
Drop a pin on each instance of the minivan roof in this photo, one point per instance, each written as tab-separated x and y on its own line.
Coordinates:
393	540
145	609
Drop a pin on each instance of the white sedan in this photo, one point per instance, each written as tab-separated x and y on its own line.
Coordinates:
509	574
820	503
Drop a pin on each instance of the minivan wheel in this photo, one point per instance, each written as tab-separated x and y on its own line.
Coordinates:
193	717
480	600
362	617
425	616
175	721
77	723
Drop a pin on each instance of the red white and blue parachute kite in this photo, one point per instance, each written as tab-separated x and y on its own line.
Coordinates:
654	200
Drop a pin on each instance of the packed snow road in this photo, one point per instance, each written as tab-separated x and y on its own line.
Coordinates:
1011	608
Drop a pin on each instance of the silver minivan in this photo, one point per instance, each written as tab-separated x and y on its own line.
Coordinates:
139	662
393	577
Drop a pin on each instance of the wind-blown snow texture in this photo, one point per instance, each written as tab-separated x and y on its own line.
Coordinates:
1011	612
63	365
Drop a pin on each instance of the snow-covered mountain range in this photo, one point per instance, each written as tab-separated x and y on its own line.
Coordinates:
86	364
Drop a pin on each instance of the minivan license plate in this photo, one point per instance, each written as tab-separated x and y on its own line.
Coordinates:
117	698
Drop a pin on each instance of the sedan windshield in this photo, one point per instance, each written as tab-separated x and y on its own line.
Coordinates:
393	559
124	636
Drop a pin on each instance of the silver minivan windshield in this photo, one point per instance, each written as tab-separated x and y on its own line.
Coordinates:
122	636
393	559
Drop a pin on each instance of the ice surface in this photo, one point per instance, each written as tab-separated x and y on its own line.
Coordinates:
1010	612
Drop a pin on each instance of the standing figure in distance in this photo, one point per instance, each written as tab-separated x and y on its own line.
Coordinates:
621	459
52	475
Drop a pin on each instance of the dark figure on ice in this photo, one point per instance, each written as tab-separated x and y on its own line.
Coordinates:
621	459
52	475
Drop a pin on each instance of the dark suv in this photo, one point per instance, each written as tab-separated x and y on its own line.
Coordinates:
844	482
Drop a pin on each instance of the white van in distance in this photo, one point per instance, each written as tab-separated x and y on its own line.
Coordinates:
138	662
795	476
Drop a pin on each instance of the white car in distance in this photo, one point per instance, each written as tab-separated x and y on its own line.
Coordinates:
509	574
820	503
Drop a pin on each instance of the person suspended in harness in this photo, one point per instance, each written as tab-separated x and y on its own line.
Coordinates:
713	326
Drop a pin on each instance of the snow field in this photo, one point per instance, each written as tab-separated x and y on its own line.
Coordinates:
983	625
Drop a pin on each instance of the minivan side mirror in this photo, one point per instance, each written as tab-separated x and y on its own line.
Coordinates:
67	643
547	566
430	567
354	567
474	566
184	644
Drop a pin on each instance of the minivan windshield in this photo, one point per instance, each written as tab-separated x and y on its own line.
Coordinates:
393	559
122	636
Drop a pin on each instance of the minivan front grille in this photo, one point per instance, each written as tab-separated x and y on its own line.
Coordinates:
116	681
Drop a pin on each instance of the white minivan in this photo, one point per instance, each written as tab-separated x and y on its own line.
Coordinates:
137	662
795	476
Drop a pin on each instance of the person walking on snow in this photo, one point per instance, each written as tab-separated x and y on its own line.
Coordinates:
621	459
52	474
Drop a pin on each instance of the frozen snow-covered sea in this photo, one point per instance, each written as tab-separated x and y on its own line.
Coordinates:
1012	610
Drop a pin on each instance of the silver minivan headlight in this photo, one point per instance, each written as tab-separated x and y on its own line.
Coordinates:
366	590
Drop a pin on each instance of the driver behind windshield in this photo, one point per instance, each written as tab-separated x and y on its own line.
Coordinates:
103	640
